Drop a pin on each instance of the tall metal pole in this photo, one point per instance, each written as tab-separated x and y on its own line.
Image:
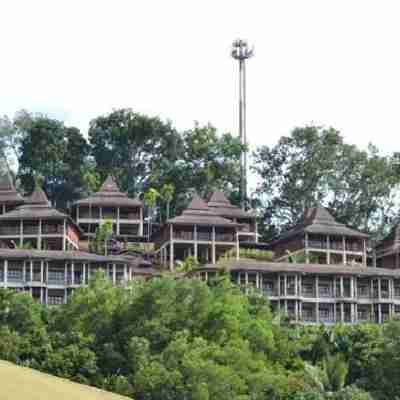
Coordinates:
241	52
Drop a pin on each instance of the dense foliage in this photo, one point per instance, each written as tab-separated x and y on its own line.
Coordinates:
314	166
181	339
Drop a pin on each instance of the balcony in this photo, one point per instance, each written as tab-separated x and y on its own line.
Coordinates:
204	236
31	229
10	230
224	237
52	229
183	235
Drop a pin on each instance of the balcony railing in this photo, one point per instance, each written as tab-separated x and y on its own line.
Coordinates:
31	229
52	229
10	230
184	235
204	236
224	237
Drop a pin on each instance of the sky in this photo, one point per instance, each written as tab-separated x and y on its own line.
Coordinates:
334	63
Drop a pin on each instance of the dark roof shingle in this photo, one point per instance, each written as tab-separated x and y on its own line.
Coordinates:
110	195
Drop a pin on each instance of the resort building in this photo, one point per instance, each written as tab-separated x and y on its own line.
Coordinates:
9	197
51	276
39	226
109	203
314	293
320	239
221	206
198	232
387	251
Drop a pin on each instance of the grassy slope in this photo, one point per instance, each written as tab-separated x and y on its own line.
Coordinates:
18	383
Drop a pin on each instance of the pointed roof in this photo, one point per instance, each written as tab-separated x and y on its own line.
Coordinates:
8	193
37	206
109	194
198	213
109	186
223	207
319	221
38	196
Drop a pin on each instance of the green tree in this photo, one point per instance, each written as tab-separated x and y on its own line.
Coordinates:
131	146
167	194
314	166
150	200
103	233
57	153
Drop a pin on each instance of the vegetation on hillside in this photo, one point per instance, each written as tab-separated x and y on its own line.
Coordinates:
182	339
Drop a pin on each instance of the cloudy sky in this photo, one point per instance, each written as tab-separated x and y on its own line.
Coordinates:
330	62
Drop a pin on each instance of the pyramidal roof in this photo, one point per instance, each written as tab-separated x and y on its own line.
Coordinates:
8	193
38	196
199	213
109	194
318	220
109	186
223	207
37	206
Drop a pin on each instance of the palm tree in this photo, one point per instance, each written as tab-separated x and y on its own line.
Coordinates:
150	199
331	377
167	193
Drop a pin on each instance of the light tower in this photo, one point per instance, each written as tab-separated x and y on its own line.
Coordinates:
241	52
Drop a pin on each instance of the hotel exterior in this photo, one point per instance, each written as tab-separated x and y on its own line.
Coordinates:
109	203
319	273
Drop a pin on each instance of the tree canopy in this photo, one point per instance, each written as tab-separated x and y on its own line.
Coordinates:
314	166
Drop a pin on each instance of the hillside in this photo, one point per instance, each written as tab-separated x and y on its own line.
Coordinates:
19	383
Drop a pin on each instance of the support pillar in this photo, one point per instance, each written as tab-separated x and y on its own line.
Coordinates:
213	255
5	272
195	245
114	274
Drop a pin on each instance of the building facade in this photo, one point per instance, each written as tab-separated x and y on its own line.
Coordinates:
309	293
37	225
248	230
320	239
197	232
109	203
51	276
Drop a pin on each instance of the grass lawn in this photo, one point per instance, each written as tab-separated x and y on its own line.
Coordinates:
18	383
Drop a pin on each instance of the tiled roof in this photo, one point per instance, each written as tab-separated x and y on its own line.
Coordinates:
322	269
198	213
223	207
38	196
318	220
8	193
37	207
110	195
65	255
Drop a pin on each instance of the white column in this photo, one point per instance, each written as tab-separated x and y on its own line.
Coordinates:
141	222
21	232
118	230
41	272
285	285
213	256
126	278
39	244
65	273
379	313
84	274
31	271
379	289
5	266
64	235
237	246
328	250
351	287
114	274
72	273
317	287
306	248
24	272
341	287
171	247
344	250
195	244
